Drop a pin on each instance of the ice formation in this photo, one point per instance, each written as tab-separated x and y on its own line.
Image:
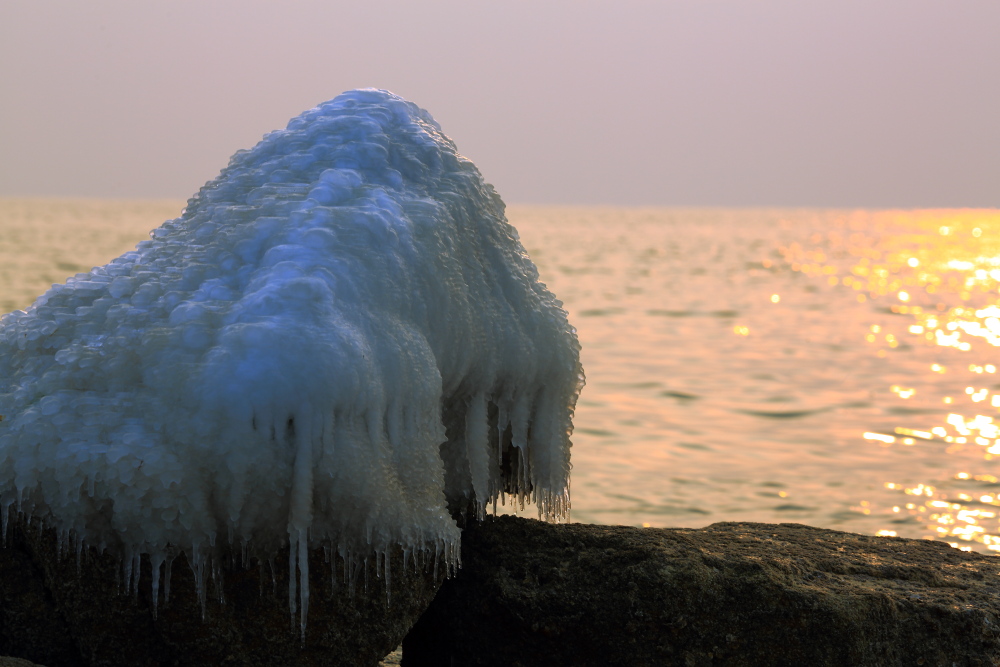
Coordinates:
339	340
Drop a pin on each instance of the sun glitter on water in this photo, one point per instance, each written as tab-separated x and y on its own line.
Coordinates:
914	278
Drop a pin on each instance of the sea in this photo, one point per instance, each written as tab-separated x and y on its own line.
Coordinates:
837	368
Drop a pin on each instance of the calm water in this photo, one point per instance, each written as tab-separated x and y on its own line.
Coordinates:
834	368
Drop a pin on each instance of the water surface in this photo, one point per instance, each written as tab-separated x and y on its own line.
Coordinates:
835	368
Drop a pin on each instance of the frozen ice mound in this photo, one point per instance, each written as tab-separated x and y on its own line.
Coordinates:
341	343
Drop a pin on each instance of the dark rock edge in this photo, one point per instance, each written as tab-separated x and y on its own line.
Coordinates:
531	593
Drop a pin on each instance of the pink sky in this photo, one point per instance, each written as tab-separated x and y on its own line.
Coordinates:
875	103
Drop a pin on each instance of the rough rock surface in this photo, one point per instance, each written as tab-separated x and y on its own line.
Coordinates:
6	661
531	593
56	615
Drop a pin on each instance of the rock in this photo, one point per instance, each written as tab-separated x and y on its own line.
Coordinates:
6	661
60	615
391	660
531	593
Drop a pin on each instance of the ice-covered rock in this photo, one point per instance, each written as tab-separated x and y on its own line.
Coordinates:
339	340
58	611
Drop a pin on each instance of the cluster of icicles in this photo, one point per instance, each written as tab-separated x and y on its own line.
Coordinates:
340	343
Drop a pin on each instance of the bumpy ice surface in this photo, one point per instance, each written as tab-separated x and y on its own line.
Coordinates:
340	342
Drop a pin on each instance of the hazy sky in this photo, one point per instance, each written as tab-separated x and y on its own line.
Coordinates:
892	103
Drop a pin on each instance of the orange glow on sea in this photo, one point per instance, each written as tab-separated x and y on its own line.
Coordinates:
833	368
938	283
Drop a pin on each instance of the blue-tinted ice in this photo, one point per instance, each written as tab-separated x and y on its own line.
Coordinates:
339	337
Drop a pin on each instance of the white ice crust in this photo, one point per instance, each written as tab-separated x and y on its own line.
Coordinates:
339	338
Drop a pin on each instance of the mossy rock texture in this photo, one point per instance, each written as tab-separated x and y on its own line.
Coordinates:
531	593
58	611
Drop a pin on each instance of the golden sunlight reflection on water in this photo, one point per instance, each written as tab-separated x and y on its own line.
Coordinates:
939	276
826	367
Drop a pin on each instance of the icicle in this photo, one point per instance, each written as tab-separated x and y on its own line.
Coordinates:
388	579
137	570
198	568
274	575
519	420
127	563
502	422
220	590
300	518
166	579
304	580
332	558
156	560
292	575
477	451
353	577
